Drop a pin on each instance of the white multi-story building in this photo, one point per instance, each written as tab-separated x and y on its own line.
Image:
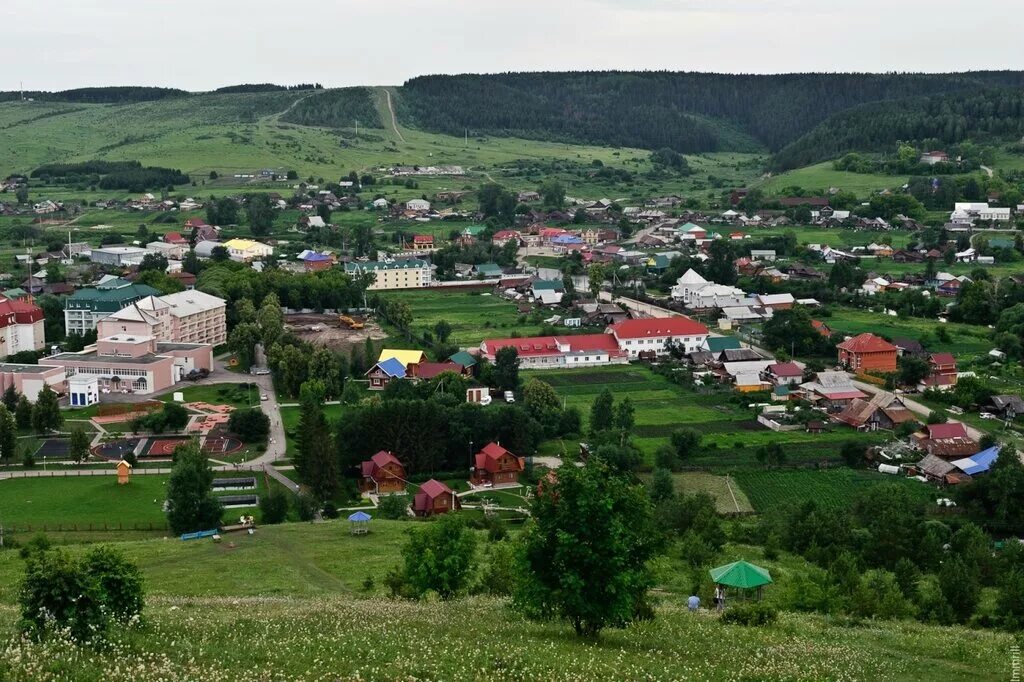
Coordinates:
184	317
403	273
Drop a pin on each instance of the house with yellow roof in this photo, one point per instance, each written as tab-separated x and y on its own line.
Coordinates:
245	250
406	357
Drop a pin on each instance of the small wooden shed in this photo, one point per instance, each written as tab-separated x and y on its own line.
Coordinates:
124	472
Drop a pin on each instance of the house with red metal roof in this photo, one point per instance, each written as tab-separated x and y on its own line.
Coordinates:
785	373
422	242
942	372
21	326
559	352
429	370
383	474
867	353
657	333
949	440
434	497
496	466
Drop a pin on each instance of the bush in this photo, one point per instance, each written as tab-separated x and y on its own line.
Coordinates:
329	511
755	615
393	507
81	594
250	425
273	507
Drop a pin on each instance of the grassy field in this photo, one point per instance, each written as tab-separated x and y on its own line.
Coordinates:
98	500
219	394
729	430
820	177
293	599
474	315
828	487
965	340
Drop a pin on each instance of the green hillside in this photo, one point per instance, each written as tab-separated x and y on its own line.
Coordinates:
293	602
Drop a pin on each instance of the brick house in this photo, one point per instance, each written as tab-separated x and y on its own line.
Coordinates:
497	466
942	371
867	353
434	497
383	474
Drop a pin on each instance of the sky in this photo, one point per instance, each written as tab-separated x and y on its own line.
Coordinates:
204	44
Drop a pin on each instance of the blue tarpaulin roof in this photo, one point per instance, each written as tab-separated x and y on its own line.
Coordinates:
360	516
392	367
978	463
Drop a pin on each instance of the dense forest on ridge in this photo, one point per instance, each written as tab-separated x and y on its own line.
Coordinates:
659	108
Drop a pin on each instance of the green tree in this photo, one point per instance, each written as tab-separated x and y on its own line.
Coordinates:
595	277
553	193
325	366
10	399
8	435
271	320
439	557
602	412
79	445
506	368
442	331
686	443
191	504
540	398
23	413
260	212
316	460
222	211
46	414
625	416
720	267
662	487
249	424
586	550
273	507
175	416
960	588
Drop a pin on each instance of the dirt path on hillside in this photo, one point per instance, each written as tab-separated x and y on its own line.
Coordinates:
394	119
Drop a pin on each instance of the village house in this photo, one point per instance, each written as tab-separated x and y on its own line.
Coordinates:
831	391
496	466
433	498
246	250
422	242
867	353
382	373
949	440
942	372
785	373
884	410
383	474
1008	406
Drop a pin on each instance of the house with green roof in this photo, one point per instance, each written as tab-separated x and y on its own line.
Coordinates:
717	344
488	270
84	308
15	294
463	358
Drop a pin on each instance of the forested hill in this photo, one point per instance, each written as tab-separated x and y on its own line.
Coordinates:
108	95
659	108
928	121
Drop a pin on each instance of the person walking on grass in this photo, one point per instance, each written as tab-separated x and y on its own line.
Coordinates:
719	597
693	603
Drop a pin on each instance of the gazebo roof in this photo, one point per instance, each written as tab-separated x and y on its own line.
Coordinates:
741	574
360	516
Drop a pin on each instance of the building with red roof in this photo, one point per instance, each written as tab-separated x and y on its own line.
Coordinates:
656	333
430	370
941	372
821	328
21	326
502	237
175	238
949	440
867	353
785	373
496	466
383	474
422	242
434	497
550	352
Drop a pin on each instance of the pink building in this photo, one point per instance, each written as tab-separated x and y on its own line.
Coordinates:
135	364
21	327
28	380
185	317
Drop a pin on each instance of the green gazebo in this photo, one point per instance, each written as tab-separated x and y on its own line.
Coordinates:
742	575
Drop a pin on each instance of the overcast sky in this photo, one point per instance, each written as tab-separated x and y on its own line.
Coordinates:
203	44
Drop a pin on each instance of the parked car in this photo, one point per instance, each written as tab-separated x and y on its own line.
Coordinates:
197	374
264	397
259	371
510	397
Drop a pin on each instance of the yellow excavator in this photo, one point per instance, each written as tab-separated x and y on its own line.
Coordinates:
349	322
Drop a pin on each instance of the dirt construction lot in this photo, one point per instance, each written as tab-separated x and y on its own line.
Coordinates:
327	331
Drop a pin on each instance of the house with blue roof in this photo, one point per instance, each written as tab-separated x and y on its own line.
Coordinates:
979	462
383	372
